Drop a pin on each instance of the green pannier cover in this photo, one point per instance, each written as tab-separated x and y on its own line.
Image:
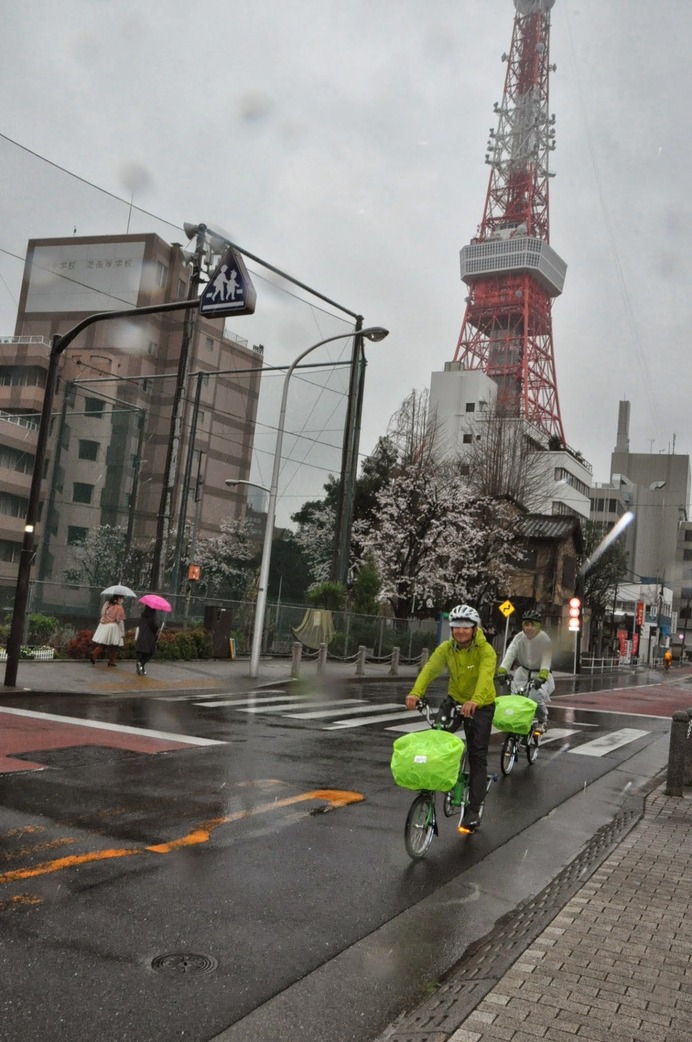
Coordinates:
427	760
514	714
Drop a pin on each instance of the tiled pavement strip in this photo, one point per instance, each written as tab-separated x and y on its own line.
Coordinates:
614	964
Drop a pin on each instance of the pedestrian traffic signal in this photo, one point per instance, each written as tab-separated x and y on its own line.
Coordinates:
574	614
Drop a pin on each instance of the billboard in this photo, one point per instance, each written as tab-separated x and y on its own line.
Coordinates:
88	277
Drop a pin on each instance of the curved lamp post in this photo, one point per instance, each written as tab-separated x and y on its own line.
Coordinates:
374	333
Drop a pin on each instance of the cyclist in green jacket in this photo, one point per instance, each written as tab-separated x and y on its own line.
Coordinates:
470	661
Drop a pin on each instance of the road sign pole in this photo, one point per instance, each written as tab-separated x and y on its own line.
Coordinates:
504	646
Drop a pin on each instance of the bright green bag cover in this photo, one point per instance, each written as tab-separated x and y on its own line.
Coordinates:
514	714
427	760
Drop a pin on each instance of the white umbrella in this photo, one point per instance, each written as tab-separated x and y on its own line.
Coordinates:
118	591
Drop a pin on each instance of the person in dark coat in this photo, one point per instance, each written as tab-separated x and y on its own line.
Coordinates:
145	642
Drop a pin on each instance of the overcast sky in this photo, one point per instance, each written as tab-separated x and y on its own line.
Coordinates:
343	141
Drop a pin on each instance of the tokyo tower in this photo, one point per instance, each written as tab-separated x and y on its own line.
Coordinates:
510	268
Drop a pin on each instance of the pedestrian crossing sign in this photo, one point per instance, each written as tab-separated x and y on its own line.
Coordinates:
230	290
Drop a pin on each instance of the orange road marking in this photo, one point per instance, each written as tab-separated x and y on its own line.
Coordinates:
201	834
334	797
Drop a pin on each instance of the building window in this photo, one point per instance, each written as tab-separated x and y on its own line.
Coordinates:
81	492
13	506
470	406
93	406
9	551
152	347
688	535
209	342
161	273
88	449
687	555
76	534
467	439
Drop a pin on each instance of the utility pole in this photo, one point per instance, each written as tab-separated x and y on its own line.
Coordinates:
349	460
163	527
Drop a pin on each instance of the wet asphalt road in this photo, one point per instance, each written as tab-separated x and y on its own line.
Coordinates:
168	896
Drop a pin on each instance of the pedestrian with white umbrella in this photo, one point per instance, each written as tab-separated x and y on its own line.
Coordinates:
109	635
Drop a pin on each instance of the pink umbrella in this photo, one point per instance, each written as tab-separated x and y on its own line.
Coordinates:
152	600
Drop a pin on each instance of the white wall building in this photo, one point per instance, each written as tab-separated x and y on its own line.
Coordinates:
462	399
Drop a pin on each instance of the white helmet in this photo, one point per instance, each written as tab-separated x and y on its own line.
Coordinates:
464	615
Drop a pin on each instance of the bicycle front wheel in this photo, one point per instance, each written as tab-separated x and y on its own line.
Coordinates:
509	754
420	825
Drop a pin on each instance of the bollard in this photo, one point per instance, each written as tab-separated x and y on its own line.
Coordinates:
676	753
360	661
295	660
424	656
321	658
394	668
688	750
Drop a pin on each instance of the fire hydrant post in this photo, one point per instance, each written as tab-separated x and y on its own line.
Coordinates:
676	753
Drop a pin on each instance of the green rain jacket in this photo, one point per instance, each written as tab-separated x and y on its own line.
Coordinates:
471	671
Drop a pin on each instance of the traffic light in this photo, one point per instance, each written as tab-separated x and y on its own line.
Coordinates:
574	614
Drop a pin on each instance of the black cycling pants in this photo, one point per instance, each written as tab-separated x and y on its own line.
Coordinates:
477	732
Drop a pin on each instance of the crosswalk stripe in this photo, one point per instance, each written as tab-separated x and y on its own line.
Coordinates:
252	700
365	720
288	709
321	714
607	743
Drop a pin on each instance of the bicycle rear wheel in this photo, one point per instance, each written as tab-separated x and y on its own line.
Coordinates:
509	754
420	825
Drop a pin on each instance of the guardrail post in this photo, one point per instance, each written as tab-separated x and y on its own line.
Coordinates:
360	661
321	658
295	660
424	656
688	750
394	668
676	753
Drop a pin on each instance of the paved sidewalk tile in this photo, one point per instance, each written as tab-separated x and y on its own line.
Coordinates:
616	964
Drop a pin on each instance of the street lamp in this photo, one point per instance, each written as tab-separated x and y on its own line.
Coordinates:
374	333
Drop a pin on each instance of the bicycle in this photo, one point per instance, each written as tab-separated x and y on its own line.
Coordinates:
530	741
421	820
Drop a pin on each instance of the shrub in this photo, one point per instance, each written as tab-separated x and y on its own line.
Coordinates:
41	628
81	644
328	595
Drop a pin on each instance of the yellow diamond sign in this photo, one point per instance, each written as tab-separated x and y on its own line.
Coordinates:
507	608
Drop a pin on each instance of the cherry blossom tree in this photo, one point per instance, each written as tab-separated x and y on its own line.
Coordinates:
225	560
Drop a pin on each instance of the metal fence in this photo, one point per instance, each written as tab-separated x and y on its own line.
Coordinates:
56	612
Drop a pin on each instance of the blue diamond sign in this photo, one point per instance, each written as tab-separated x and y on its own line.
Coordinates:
229	290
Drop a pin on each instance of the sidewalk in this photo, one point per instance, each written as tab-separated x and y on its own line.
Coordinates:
615	962
207	676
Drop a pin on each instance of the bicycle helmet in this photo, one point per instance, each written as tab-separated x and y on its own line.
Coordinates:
531	615
464	615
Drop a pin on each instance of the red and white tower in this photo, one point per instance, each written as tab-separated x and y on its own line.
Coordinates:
510	269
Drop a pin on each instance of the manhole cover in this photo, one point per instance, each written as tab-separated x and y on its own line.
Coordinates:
184	962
